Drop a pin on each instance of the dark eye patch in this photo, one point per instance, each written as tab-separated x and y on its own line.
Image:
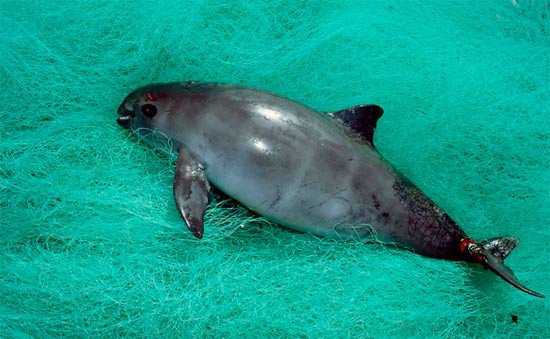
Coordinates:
149	110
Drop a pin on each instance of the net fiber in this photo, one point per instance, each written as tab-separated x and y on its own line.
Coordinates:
91	242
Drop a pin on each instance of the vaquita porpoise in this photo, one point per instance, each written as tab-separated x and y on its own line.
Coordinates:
312	172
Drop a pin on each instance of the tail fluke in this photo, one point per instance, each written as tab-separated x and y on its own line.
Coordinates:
491	254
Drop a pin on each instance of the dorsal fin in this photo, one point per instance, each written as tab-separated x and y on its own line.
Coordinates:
359	121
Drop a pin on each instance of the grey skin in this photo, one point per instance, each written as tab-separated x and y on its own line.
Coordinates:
311	172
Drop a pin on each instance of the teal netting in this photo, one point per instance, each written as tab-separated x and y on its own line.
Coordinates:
91	243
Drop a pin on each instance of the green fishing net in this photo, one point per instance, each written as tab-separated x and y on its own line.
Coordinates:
92	244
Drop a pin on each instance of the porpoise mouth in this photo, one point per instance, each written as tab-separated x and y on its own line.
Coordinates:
126	116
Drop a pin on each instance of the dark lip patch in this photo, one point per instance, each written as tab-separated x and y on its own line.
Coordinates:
124	121
126	116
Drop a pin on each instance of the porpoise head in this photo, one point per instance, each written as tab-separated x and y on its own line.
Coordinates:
145	104
146	111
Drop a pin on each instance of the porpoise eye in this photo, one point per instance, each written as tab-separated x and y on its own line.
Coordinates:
149	110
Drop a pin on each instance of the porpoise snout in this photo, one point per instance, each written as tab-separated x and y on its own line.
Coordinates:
126	116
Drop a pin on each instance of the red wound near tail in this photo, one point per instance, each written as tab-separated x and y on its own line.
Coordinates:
471	248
